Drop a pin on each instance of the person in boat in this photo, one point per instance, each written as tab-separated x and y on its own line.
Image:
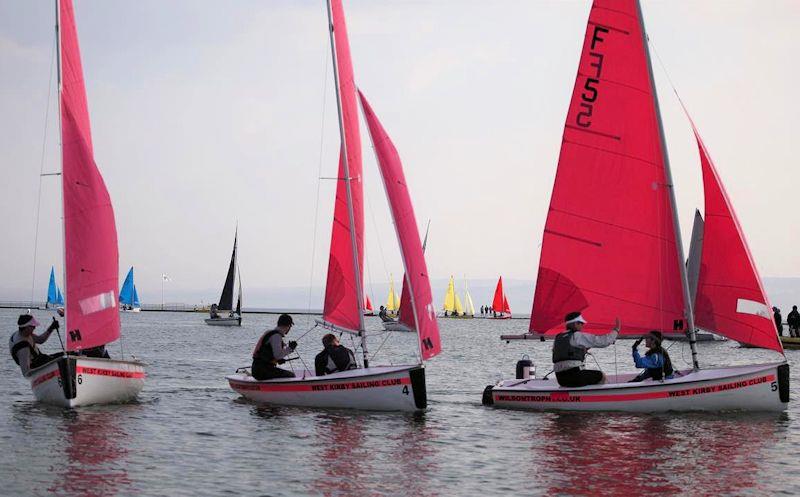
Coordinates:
334	357
384	315
445	313
656	362
569	352
271	351
778	320
99	351
22	344
214	311
793	320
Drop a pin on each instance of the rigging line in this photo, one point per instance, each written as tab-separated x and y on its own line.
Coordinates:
319	186
388	334
41	165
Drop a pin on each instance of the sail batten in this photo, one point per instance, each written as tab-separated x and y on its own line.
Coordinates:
609	245
90	233
416	272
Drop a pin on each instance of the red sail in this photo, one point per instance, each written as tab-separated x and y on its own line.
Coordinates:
498	304
609	247
730	299
421	312
368	304
506	307
405	314
90	235
342	299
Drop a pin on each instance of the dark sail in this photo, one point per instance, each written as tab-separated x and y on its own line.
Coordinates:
226	300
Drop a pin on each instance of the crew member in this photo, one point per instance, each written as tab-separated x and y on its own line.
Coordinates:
271	351
569	352
22	344
656	361
334	357
793	320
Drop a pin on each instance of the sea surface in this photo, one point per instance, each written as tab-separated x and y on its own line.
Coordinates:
189	434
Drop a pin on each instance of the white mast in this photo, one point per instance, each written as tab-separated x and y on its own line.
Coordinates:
61	163
346	179
688	310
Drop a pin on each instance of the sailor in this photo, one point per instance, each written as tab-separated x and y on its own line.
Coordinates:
22	344
793	320
334	357
778	320
656	361
213	311
271	351
569	352
384	315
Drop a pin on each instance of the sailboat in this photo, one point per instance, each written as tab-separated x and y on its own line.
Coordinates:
368	310
500	307
55	299
469	305
90	252
622	256
392	300
128	296
390	388
452	302
224	313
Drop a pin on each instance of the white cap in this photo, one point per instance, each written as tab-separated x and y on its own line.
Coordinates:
578	319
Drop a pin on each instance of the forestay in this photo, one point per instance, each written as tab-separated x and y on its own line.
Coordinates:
416	271
609	246
90	234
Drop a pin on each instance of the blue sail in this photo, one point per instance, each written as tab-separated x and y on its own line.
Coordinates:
52	289
59	297
127	295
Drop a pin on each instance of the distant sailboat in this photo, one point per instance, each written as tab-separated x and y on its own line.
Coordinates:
84	375
387	388
452	303
128	296
623	257
500	307
469	306
392	300
55	299
368	310
218	312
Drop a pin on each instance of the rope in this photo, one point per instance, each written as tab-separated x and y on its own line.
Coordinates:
41	168
319	186
388	334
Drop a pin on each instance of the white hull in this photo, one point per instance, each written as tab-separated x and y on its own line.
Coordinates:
396	326
763	387
135	309
381	388
224	321
73	381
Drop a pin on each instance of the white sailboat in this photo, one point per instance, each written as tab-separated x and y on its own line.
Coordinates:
391	388
623	256
224	313
80	377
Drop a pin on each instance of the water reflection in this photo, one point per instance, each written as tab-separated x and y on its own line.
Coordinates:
95	450
614	454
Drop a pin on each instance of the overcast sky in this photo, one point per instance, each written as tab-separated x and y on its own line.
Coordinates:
205	113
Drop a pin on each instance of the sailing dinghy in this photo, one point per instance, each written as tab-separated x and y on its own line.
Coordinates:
225	306
55	299
452	306
90	251
389	388
392	300
128	296
622	255
500	307
368	310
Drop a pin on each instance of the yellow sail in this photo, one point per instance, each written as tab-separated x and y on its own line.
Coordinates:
450	297
459	307
392	301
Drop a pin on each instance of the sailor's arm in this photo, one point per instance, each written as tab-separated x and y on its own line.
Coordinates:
44	336
279	351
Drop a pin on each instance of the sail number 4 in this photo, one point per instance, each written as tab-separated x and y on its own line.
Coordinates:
589	91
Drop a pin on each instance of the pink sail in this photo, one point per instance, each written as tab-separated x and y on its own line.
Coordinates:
90	235
500	302
342	299
609	247
730	298
421	307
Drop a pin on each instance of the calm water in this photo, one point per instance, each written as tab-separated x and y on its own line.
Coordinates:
189	434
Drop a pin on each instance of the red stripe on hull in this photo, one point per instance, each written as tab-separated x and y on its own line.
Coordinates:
314	387
625	397
110	372
48	376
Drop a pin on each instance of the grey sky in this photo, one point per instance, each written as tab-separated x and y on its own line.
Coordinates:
204	113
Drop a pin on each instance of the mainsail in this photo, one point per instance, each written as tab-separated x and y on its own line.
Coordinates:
226	299
407	235
730	298
90	234
609	246
469	306
343	294
500	302
452	303
392	300
128	294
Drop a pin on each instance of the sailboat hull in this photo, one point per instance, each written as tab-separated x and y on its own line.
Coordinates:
73	381
224	321
396	326
135	309
381	388
763	387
